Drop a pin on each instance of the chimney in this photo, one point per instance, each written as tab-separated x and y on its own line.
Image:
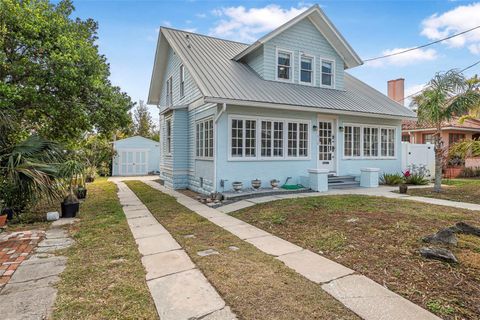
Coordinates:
396	90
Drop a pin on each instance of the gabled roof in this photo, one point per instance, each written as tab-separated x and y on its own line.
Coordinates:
133	138
222	79
324	26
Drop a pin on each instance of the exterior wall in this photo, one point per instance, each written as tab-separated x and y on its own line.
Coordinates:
152	147
255	61
303	37
192	92
265	170
200	171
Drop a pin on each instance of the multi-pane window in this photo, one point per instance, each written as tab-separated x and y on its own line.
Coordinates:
327	73
204	138
455	137
284	65
237	138
306	69
376	142
406	137
169	92
168	136
182	81
352	141
270	139
428	138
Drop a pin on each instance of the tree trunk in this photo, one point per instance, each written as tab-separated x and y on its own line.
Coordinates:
438	159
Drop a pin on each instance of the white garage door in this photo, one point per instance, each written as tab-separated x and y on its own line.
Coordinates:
133	162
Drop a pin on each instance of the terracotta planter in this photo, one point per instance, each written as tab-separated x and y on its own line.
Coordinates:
452	172
3	221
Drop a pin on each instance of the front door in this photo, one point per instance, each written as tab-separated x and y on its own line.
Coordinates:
326	145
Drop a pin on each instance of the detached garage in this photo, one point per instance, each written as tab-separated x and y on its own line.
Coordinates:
136	156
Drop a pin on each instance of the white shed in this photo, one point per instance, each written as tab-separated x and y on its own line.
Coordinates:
136	156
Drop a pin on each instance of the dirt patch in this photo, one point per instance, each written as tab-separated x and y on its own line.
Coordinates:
380	238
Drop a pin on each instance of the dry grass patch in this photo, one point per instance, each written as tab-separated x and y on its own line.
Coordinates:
254	284
104	278
463	190
380	238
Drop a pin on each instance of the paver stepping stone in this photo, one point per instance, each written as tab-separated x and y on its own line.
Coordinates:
246	231
224	314
30	285
165	263
56	233
148	231
63	222
57	242
264	199
139	213
142	221
235	206
157	244
40	269
274	245
185	295
372	301
207	252
27	304
314	267
224	220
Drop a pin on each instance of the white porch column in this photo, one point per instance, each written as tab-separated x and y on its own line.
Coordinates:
318	179
369	177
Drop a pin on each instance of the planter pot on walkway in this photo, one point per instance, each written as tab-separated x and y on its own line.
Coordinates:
8	212
81	193
403	188
3	221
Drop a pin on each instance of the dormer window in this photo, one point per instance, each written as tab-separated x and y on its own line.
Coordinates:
327	73
306	69
284	65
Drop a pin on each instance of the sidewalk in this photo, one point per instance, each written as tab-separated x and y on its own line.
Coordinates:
179	289
360	294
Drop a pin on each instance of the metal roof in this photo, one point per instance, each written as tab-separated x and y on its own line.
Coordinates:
210	62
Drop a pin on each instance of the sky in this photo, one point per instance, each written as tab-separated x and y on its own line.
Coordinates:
128	32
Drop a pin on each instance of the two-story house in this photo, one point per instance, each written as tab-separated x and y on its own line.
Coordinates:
273	109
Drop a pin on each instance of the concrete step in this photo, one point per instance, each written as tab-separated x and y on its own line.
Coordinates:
344	185
341	179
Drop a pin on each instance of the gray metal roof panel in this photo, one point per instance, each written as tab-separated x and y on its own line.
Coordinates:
210	60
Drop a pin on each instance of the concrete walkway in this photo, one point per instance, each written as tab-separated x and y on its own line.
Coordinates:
180	291
31	293
382	191
363	296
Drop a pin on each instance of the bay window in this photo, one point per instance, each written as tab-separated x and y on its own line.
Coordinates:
204	138
258	138
364	141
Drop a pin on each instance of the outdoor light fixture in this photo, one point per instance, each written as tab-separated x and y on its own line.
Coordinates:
314	128
340	129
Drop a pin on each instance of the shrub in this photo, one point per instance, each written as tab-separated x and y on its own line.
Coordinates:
417	175
470	172
391	179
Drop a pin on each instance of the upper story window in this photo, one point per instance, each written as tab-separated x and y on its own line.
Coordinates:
327	78
284	65
182	81
169	89
306	69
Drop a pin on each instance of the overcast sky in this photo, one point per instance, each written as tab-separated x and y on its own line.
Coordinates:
128	33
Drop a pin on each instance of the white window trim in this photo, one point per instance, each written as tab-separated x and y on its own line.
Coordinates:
168	146
313	83
292	65
379	157
169	93
258	136
204	120
334	68
181	81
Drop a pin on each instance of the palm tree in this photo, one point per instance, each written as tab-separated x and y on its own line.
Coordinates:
447	95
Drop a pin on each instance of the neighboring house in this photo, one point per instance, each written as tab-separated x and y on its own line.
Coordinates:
135	156
452	131
270	110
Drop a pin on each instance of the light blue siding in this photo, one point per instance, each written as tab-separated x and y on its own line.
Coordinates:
303	37
192	92
137	143
255	61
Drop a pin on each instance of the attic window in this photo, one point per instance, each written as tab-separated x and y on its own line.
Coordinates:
306	69
284	65
327	73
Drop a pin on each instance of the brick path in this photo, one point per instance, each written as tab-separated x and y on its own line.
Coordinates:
15	247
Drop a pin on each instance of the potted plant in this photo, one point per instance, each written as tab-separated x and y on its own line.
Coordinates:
90	174
403	188
81	192
256	184
237	186
274	183
72	172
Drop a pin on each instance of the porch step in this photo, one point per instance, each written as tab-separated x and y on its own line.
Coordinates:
342	182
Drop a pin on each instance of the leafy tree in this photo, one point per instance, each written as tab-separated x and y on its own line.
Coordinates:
52	75
143	124
447	95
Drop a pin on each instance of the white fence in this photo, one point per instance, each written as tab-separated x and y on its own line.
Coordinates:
418	154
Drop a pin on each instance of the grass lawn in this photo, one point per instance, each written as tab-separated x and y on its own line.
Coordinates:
380	238
104	278
464	190
254	284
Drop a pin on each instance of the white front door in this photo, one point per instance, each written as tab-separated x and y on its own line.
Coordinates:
133	163
326	145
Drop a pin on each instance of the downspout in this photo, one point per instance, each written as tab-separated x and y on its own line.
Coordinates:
224	108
